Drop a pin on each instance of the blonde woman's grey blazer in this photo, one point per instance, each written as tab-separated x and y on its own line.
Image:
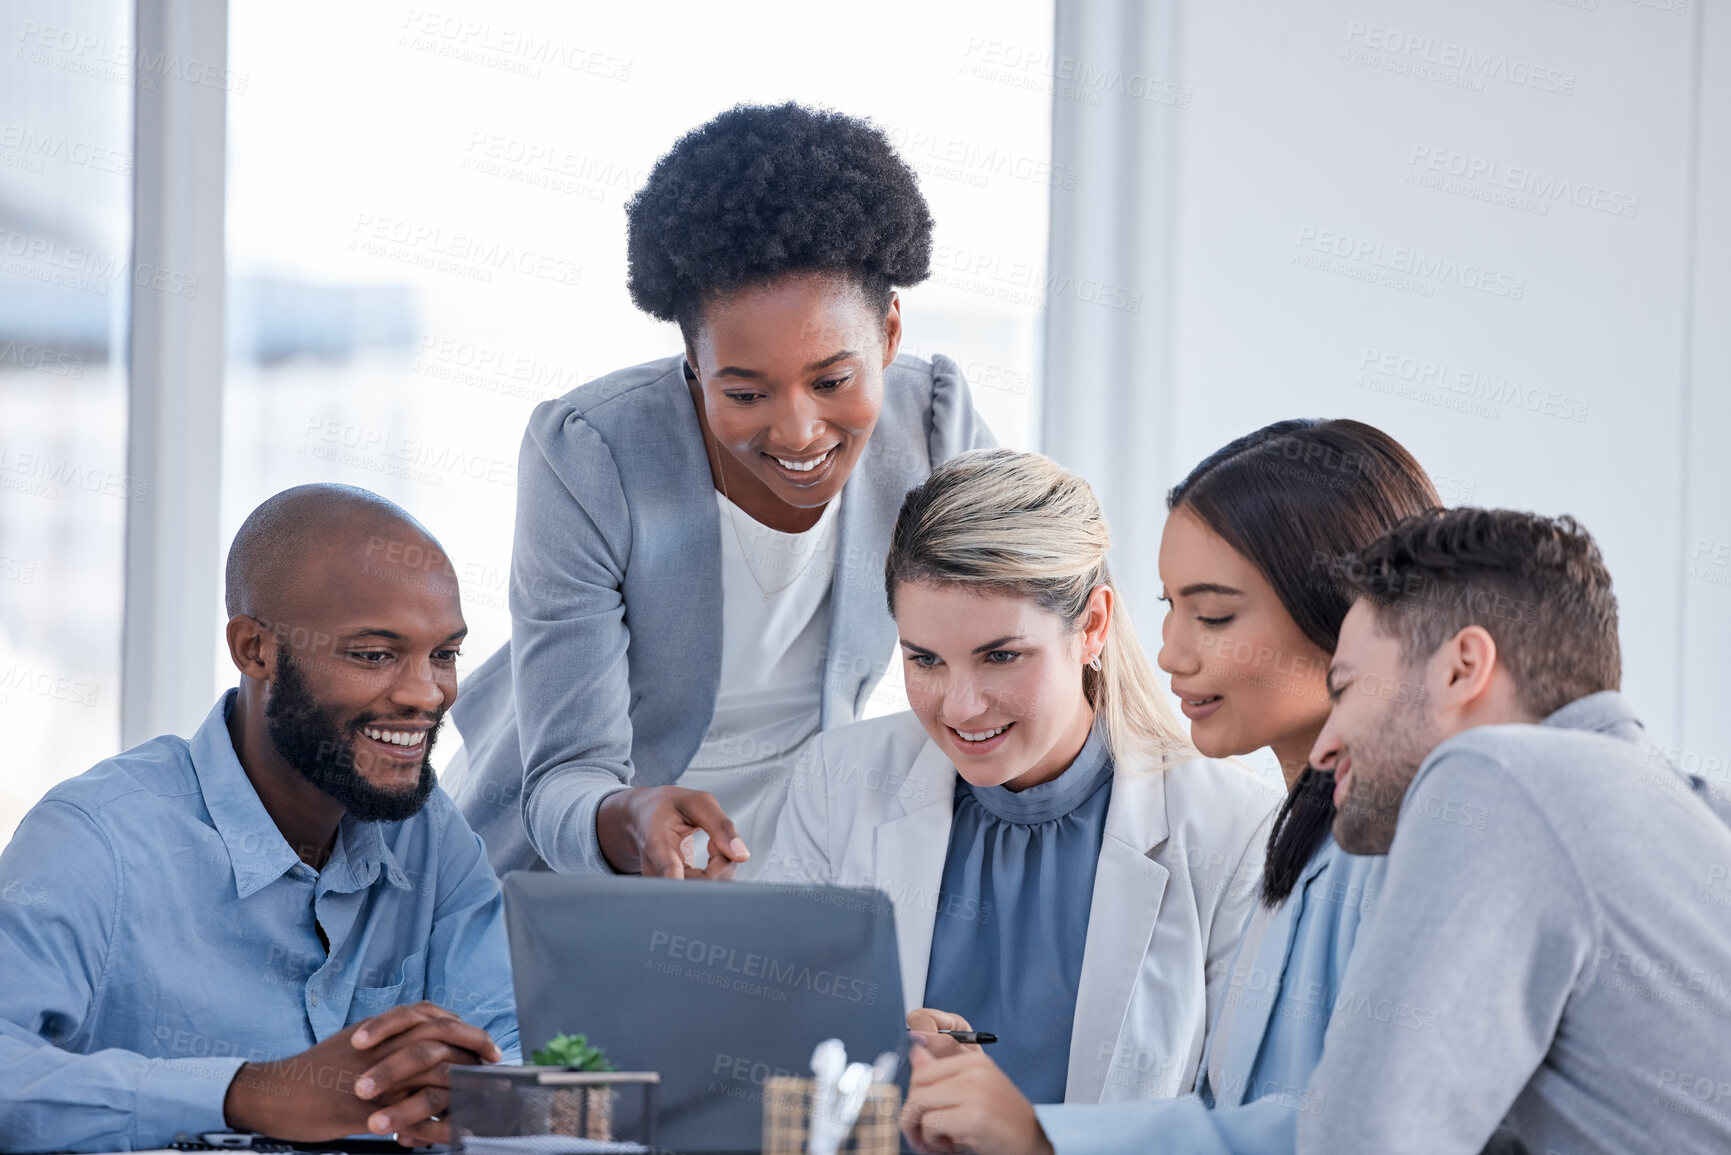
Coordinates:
614	663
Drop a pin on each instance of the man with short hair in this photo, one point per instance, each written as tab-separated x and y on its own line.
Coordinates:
280	924
1550	942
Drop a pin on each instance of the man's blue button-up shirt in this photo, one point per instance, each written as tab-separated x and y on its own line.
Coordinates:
156	932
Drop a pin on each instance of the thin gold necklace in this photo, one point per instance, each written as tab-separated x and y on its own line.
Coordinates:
721	472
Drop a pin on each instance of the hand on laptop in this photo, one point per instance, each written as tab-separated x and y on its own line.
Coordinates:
388	1074
643	830
962	1101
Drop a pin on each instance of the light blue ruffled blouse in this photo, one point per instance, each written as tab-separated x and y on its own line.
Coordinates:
1025	860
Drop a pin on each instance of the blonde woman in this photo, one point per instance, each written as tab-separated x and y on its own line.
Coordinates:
1067	872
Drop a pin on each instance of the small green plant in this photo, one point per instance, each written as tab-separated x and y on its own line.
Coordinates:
564	1050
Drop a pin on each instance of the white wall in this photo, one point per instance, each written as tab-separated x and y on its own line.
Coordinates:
1310	241
1703	736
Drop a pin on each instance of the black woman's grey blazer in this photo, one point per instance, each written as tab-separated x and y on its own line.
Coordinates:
611	675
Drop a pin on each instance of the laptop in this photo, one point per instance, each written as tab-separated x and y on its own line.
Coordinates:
718	986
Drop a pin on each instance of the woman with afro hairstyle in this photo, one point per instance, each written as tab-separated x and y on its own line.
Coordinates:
696	579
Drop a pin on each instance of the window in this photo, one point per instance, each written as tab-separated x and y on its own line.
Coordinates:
65	240
426	229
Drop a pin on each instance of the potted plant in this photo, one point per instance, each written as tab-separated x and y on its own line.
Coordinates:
566	1114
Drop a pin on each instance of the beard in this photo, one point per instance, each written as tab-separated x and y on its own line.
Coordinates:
309	737
1383	766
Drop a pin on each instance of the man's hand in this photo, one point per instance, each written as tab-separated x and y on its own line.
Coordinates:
645	829
388	1074
965	1103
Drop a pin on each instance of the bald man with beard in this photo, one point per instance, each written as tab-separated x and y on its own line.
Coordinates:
280	924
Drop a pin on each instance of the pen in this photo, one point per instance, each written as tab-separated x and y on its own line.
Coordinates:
980	1037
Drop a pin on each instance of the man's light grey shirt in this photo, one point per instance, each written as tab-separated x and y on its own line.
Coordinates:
1552	944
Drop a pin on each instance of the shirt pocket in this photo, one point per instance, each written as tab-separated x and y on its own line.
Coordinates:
410	986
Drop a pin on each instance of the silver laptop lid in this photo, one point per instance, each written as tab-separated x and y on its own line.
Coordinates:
716	985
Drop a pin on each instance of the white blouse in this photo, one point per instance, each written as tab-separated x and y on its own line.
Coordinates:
775	607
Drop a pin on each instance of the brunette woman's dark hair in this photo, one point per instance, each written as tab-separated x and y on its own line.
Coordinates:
1300	499
767	190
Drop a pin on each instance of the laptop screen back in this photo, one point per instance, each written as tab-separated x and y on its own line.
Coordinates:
718	986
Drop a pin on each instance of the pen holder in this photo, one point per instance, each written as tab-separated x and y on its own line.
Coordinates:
787	1119
498	1102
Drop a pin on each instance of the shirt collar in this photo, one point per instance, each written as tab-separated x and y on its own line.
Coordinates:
361	855
1606	712
257	850
1054	799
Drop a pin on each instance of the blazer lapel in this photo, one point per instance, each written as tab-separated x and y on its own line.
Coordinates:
1129	887
862	635
858	642
908	855
689	511
1249	1024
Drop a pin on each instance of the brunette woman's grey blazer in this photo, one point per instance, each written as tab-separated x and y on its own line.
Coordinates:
614	663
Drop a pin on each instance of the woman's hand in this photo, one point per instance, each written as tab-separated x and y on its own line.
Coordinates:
966	1103
647	830
926	1022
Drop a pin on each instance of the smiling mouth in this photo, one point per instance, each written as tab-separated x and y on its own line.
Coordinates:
805	465
1199	706
979	739
399	742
